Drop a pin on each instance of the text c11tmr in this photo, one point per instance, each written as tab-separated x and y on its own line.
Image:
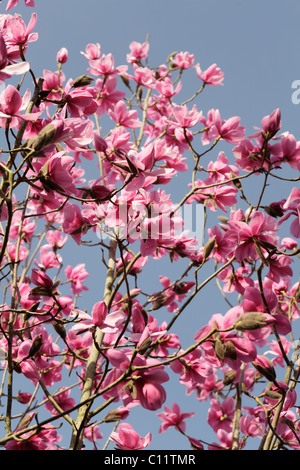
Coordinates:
160	459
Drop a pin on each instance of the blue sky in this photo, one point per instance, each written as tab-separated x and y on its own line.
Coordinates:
255	43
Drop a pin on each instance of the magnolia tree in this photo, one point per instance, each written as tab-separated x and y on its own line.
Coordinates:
75	370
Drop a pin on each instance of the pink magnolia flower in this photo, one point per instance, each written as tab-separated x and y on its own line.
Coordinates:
173	417
144	76
211	76
145	384
46	439
166	88
260	231
43	363
92	433
19	34
56	173
12	106
183	60
292	208
23	397
230	129
41	279
92	51
105	66
6	69
108	96
107	322
13	3
272	123
77	276
138	52
47	258
74	223
230	348
80	101
186	118
220	415
124	117
128	439
63	399
79	344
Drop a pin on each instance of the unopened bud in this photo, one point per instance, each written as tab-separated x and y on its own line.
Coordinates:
116	415
45	137
229	377
83	80
250	321
59	328
235	181
265	367
36	346
159	301
230	351
23	397
219	349
62	56
208	247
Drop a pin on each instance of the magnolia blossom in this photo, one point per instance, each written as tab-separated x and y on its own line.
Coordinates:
107	322
126	438
173	417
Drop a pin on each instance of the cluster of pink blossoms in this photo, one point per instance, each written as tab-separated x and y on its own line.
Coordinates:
119	349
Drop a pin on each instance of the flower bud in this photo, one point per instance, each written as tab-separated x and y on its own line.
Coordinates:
83	80
59	328
36	346
265	367
230	351
219	349
99	142
250	321
229	377
208	248
23	397
62	56
116	415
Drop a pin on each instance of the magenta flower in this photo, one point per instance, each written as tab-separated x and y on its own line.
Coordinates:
173	417
145	384
108	323
144	76
6	69
186	118
74	223
220	415
77	276
211	76
20	34
12	106
14	3
249	236
183	60
138	52
230	130
92	51
125	117
63	399
128	439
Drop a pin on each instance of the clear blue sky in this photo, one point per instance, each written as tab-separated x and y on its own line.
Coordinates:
255	43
